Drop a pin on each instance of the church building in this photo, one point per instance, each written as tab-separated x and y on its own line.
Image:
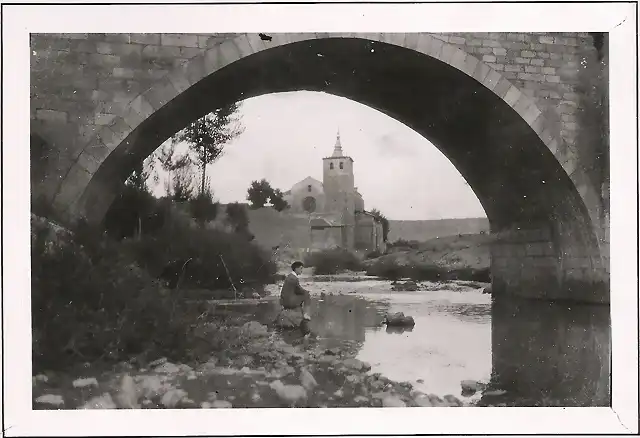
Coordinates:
335	208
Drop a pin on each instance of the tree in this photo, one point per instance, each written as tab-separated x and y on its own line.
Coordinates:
203	207
259	193
237	217
171	163
277	200
384	221
181	185
208	135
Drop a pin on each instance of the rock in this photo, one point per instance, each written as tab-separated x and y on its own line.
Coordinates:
291	394
167	368
126	396
211	396
102	402
494	393
307	380
423	401
243	361
339	393
255	328
487	290
333	351
255	296
452	400
148	404
352	379
151	386
391	401
470	387
255	397
360	399
205	405
221	404
173	397
356	364
186	403
408	286
83	383
399	320
50	399
158	362
40	378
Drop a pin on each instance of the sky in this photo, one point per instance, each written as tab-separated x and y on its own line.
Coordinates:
286	135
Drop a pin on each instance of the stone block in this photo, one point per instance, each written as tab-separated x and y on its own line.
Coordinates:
447	53
519	60
108	61
492	80
514	68
190	52
142	107
179	80
499	51
512	95
213	60
195	69
244	47
72	186
160	94
481	72
435	48
489	58
103	119
122	72
411	40
145	38
51	116
179	40
256	43
532	69
552	78
491	43
458	59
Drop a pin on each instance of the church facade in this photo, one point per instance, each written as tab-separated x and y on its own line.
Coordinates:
335	208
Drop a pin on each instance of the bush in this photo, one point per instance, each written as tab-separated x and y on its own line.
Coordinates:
166	253
89	308
333	261
387	268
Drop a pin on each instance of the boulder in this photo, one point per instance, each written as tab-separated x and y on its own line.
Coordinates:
255	328
423	401
452	400
158	362
50	399
291	394
126	396
307	380
356	364
173	397
167	368
85	382
392	401
102	402
399	320
361	399
470	387
408	286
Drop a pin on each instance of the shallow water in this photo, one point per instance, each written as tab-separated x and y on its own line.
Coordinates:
541	353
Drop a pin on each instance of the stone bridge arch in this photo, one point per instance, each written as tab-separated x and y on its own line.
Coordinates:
546	241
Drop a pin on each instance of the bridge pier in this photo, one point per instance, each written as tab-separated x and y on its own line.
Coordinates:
556	351
546	262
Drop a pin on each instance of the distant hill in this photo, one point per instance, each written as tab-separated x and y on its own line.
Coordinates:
429	229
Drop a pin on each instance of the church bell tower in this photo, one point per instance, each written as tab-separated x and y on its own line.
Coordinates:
339	190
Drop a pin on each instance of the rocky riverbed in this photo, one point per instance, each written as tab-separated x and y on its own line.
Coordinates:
268	372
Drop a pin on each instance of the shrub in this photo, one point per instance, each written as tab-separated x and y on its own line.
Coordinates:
333	261
87	307
247	263
387	268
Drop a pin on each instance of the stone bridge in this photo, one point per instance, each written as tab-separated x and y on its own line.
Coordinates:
522	116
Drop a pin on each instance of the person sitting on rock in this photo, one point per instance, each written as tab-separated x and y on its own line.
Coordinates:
292	295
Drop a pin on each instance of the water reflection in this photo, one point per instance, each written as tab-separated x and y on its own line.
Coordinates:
551	353
541	353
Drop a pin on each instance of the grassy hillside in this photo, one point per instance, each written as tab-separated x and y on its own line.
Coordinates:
459	251
430	229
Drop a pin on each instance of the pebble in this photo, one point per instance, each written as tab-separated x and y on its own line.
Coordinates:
51	399
158	362
221	404
171	398
391	401
307	380
83	383
102	402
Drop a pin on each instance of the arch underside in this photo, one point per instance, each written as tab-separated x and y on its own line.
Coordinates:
517	179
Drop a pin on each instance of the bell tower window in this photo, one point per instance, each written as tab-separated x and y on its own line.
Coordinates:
309	188
331	166
341	165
